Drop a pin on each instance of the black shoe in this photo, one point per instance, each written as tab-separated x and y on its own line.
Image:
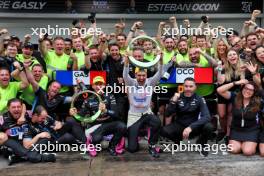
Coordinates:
112	151
48	158
153	152
12	159
6	151
219	137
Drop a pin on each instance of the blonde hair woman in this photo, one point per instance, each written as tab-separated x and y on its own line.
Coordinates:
228	72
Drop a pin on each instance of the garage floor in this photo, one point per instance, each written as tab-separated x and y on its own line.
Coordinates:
140	164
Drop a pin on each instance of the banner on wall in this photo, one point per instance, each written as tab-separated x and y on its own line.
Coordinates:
130	6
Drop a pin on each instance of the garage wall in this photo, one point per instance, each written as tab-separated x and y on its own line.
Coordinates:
21	24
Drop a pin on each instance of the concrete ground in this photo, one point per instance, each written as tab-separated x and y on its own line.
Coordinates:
140	164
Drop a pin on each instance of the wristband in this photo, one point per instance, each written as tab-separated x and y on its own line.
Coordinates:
131	30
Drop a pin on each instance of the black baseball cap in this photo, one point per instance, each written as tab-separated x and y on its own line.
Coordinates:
14	37
28	45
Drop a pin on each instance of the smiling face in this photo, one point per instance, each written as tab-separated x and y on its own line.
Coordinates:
27	52
59	46
260	54
169	44
11	50
37	72
194	55
77	43
221	47
252	41
114	52
138	55
189	88
183	47
141	77
147	46
4	77
201	42
248	91
121	41
15	109
53	89
98	87
232	57
94	54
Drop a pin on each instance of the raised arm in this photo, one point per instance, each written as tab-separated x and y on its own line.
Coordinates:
155	79
254	15
174	24
253	70
102	48
204	24
27	38
74	59
87	61
3	31
24	81
159	32
94	37
132	31
224	89
212	61
119	28
31	79
43	48
246	28
127	79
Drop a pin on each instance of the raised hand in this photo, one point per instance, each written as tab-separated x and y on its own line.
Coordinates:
73	111
251	67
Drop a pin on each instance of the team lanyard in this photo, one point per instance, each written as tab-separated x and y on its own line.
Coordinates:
244	110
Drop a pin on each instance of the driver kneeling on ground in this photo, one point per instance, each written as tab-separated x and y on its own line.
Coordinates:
192	117
106	124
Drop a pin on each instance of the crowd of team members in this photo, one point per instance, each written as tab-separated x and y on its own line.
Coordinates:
35	108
